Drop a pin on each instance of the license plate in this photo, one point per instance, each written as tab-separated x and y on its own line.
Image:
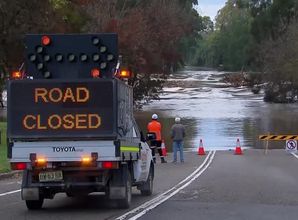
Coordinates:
50	176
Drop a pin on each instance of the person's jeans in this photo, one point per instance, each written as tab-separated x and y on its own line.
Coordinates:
178	146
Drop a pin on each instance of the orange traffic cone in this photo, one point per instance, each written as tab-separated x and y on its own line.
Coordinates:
238	150
201	150
163	148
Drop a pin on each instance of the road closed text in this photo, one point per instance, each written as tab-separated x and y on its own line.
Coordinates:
58	95
55	121
68	121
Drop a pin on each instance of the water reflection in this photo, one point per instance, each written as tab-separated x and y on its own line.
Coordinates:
218	114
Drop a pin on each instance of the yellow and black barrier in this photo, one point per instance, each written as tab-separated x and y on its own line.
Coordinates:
278	137
275	137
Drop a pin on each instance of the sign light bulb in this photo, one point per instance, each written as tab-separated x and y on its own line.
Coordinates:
95	73
125	74
45	40
16	75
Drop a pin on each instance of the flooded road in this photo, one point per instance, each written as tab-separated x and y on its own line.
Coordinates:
218	114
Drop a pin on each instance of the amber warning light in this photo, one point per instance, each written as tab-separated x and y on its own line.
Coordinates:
125	74
41	162
16	75
86	159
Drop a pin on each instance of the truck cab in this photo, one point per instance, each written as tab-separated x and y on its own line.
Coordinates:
71	127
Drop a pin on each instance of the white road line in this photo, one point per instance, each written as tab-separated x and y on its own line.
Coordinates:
154	200
11	183
11	192
173	193
295	155
151	204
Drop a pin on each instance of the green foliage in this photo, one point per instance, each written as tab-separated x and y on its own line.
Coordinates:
59	4
231	42
275	29
73	18
235	40
271	18
280	64
240	29
146	88
4	165
208	51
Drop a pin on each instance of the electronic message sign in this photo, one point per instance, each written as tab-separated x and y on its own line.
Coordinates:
69	56
55	108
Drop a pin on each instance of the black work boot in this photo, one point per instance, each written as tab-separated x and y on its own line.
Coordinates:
163	160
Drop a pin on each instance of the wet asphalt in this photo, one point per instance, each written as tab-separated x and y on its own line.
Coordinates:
248	186
94	206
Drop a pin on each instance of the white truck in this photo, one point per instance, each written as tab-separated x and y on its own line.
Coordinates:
70	122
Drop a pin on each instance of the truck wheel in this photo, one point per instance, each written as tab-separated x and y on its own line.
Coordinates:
70	194
147	188
34	204
125	203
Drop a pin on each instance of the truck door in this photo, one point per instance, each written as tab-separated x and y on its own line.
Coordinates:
142	165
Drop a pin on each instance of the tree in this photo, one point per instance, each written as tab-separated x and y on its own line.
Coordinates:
281	65
231	43
18	18
271	18
150	35
275	30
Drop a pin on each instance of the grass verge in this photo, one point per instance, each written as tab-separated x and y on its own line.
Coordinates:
4	165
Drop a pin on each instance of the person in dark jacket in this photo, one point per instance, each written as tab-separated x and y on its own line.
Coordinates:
177	135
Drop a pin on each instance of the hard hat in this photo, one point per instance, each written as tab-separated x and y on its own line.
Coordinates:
177	120
154	116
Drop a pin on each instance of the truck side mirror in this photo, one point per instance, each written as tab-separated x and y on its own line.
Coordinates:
151	136
142	136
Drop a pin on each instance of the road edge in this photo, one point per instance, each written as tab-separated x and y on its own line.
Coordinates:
144	208
11	174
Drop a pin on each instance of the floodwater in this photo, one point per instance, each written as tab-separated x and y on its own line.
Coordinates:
218	114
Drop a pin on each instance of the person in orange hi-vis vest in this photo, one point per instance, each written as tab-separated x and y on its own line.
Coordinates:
155	127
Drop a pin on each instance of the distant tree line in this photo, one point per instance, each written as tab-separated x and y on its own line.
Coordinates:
154	36
158	36
259	36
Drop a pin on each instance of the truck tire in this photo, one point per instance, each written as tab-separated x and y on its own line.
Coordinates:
125	203
70	194
147	188
34	204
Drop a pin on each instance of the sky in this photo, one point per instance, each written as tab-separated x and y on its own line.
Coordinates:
210	7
